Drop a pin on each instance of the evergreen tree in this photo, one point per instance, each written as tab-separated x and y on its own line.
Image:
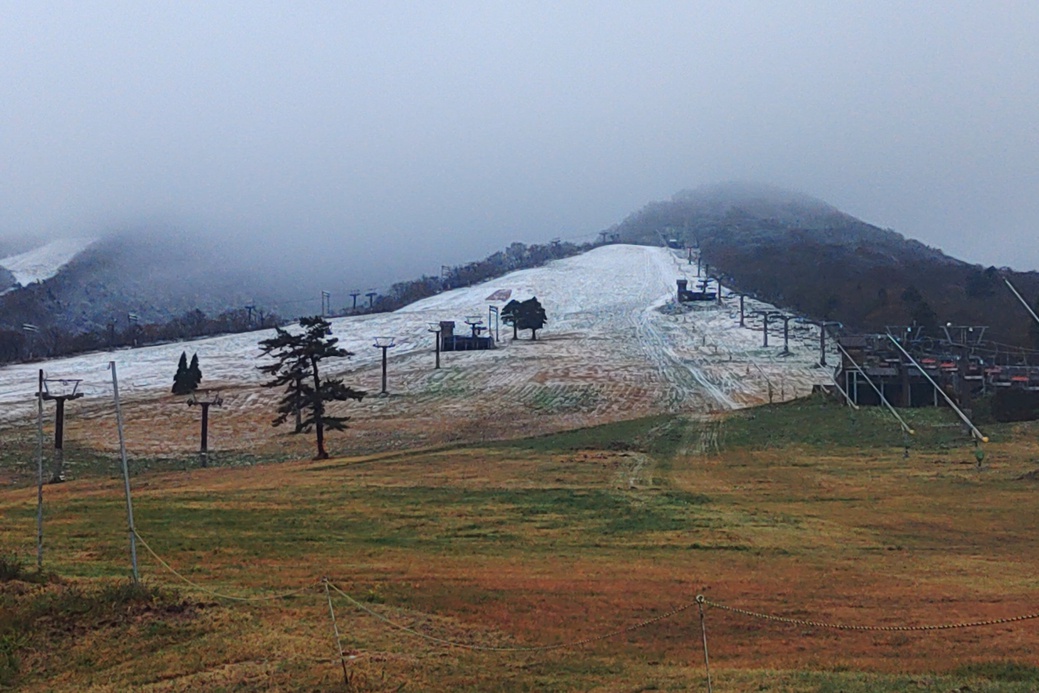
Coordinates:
298	357
182	380
194	373
531	316
509	315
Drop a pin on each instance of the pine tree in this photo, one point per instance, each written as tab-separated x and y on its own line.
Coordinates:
194	373
297	370
510	314
182	380
530	315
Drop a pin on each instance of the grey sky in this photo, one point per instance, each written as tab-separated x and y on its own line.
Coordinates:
407	135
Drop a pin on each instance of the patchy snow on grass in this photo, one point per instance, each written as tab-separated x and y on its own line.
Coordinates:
42	263
607	352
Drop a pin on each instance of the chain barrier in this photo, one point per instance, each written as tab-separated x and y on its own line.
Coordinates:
535	648
207	590
845	626
699	602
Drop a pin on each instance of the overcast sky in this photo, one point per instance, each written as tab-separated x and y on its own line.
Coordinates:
402	136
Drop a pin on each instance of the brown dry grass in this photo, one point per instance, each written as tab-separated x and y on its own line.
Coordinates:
540	544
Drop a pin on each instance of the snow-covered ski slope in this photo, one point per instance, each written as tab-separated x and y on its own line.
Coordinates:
607	352
42	263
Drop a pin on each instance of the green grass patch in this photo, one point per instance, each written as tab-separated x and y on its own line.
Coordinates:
821	423
658	435
1010	672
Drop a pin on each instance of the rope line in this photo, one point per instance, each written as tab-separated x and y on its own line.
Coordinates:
700	600
845	626
535	648
197	586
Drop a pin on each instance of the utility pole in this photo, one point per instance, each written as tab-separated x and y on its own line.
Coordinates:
126	473
68	391
216	401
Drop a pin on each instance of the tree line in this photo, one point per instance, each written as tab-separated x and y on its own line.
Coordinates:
52	341
515	257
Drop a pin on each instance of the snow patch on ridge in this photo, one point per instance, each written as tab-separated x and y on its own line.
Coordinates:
42	263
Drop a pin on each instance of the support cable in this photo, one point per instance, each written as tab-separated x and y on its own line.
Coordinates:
845	626
207	590
536	648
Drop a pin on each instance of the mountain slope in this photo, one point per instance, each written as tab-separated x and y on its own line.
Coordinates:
80	286
45	261
807	256
609	352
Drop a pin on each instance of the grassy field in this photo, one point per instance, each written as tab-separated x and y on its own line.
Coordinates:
804	510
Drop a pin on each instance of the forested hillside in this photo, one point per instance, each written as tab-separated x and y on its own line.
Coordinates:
808	256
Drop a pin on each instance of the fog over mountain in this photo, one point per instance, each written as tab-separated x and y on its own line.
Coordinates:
379	141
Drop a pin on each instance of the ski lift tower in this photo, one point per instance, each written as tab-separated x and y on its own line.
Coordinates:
434	327
204	399
60	390
384	343
474	322
766	315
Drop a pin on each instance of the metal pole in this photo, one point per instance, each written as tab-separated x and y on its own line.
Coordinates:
703	631
880	393
438	348
975	432
205	434
126	473
335	629
822	344
384	349
39	473
58	468
1021	298
741	310
765	331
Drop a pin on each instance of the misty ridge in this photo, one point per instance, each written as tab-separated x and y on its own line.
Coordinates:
795	251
